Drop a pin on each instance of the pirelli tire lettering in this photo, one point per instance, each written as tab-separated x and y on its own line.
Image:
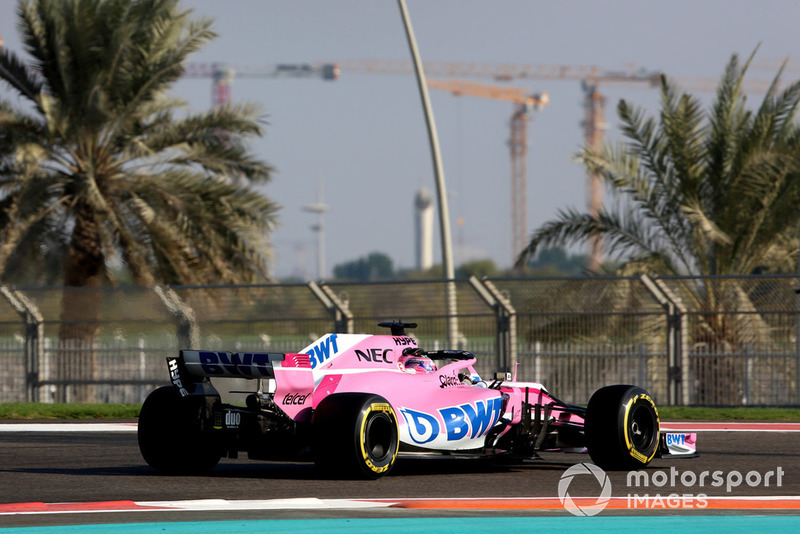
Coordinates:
641	417
622	427
378	437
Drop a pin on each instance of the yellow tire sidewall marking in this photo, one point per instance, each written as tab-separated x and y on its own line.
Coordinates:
633	452
378	407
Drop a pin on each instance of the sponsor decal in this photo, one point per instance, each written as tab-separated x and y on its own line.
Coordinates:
375	355
469	420
422	427
404	340
676	439
233	419
478	418
175	376
294	398
247	365
323	351
448	381
680	443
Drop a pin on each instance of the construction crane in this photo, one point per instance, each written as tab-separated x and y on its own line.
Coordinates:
222	75
524	103
590	78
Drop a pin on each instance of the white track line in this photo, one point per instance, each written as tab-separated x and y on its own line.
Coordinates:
68	427
203	505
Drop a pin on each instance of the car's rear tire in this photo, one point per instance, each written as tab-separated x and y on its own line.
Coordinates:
355	435
622	427
170	434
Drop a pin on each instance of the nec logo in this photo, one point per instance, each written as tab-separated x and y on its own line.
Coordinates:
375	355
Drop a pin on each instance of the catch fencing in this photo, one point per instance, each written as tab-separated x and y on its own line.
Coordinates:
724	341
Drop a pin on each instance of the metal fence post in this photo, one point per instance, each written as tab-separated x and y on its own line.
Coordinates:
680	341
34	339
142	366
797	340
505	319
342	316
754	353
676	343
188	334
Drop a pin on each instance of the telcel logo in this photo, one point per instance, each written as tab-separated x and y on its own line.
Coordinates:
294	398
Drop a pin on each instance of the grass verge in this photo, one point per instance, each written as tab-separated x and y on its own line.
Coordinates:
737	413
33	410
24	410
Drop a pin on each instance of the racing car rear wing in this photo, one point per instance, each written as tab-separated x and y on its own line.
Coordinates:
191	370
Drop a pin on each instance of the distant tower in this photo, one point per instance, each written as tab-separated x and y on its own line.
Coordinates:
423	229
319	207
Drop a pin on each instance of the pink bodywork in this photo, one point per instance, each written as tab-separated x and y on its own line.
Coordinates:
435	410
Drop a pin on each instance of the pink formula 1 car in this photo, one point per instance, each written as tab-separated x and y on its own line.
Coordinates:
353	404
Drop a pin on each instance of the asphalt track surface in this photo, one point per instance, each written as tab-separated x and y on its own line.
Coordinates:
71	467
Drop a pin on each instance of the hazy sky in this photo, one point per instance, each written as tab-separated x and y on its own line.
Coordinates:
363	137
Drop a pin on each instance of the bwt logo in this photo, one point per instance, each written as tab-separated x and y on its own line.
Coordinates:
676	439
250	365
322	351
460	422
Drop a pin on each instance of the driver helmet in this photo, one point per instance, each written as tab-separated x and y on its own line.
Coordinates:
418	364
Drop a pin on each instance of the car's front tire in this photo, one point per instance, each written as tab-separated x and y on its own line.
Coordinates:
622	427
355	434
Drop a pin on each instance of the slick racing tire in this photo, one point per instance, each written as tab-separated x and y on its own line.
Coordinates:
171	438
355	435
622	427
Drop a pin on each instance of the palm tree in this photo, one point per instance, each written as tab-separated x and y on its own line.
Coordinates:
101	168
701	193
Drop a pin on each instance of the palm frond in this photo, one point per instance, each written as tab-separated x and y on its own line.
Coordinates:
109	157
622	233
696	191
14	72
